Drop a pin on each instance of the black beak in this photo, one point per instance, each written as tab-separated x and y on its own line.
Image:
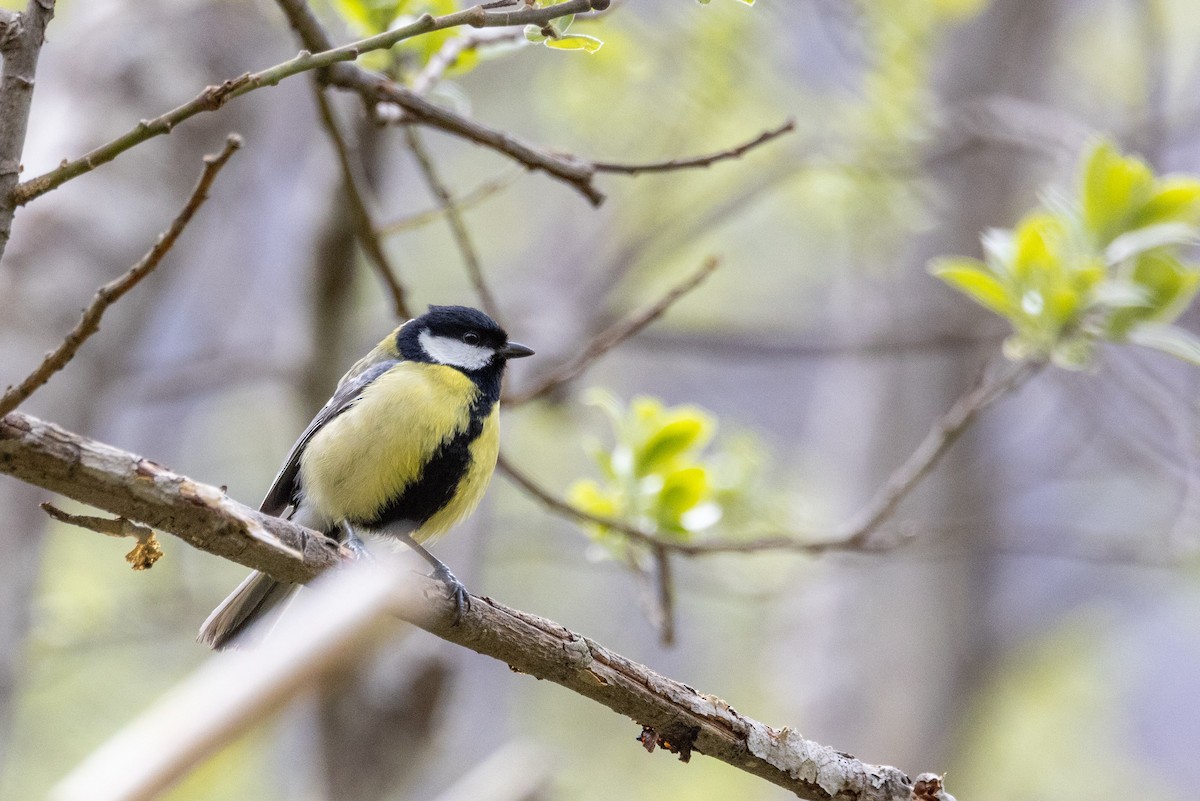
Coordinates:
515	350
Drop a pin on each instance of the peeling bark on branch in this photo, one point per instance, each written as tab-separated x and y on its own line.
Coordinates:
677	717
127	485
683	720
21	38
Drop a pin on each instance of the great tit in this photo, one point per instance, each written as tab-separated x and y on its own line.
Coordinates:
405	448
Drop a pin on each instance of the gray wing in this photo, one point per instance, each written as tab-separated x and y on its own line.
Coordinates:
283	489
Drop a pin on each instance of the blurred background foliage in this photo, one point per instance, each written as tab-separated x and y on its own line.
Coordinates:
1036	639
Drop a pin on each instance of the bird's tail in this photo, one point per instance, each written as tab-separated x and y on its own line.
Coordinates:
253	600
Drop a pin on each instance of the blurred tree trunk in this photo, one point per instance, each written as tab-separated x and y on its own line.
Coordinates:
923	611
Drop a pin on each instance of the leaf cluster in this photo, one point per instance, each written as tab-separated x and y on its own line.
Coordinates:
1105	265
655	475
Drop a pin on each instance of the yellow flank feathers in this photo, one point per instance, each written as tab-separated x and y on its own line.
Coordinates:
368	454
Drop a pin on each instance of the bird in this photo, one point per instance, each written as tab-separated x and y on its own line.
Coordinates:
404	449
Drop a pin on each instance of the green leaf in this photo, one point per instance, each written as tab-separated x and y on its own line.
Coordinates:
575	41
590	497
682	491
1140	240
1037	245
533	33
1175	199
1169	286
976	281
1061	305
1168	339
1115	189
689	430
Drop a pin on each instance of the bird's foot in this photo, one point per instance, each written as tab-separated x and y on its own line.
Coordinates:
456	590
354	544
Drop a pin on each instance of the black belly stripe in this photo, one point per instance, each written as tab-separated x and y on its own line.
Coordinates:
430	493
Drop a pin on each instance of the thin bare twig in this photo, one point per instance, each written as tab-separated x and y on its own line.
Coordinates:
110	293
856	535
466	201
458	227
664	596
615	335
317	58
575	172
356	193
144	554
945	432
695	162
21	37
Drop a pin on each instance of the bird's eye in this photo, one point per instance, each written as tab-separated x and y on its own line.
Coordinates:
471	338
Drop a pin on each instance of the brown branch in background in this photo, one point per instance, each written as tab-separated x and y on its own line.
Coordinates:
574	172
376	88
472	198
664	595
21	38
696	161
856	534
110	293
315	58
356	194
144	554
462	237
945	432
615	335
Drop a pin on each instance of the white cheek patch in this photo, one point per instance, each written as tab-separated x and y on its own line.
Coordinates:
455	352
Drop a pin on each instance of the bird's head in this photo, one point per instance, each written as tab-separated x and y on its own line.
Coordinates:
459	337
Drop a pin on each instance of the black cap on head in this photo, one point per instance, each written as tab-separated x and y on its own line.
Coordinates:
463	324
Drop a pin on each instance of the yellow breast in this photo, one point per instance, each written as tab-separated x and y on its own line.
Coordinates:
367	455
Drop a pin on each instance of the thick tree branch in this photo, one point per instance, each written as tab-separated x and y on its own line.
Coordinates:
21	37
127	485
110	293
674	715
